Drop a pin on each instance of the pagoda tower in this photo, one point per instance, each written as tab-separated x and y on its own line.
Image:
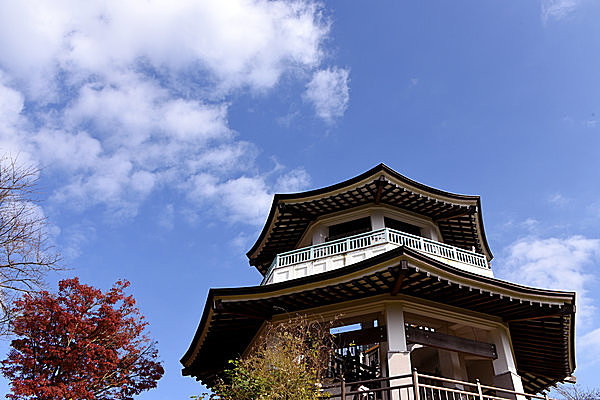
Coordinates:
408	268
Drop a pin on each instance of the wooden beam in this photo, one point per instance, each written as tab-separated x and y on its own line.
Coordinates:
429	204
526	316
455	214
380	183
258	317
401	275
361	336
285	208
449	342
566	310
398	284
362	286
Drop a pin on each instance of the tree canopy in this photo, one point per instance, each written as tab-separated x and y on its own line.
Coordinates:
80	343
287	361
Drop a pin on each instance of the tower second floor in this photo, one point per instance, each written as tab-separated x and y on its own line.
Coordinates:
333	227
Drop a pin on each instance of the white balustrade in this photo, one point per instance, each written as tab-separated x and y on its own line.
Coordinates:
308	256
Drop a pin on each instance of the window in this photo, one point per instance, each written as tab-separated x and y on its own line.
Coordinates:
349	228
402	226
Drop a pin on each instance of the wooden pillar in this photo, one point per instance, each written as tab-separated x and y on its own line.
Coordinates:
398	356
319	235
505	370
377	220
452	367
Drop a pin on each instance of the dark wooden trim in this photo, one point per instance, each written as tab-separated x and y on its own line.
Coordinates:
534	318
401	275
456	214
449	342
285	208
380	183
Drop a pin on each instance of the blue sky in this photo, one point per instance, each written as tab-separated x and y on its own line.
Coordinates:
162	130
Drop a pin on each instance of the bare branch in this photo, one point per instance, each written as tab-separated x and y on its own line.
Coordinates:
577	392
25	254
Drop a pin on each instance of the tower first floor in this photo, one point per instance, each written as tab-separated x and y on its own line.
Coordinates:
399	312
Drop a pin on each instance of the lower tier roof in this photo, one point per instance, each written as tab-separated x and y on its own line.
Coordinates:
541	322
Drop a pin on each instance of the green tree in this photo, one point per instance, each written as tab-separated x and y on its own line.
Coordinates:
288	361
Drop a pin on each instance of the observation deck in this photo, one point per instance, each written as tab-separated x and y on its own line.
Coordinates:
346	251
295	219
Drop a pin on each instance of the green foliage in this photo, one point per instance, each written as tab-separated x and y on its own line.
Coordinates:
288	361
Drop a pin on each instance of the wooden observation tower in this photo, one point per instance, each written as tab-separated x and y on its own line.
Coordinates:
408	268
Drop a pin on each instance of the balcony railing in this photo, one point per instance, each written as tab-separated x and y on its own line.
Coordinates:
417	386
374	238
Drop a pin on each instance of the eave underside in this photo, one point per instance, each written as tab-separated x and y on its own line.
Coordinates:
542	334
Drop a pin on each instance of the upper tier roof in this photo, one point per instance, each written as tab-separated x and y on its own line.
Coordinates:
458	216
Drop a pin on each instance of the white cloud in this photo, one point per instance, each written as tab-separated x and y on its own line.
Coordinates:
328	92
531	224
588	347
557	9
292	181
55	149
125	98
242	242
136	110
12	122
238	43
244	199
166	218
76	237
11	105
555	263
558	199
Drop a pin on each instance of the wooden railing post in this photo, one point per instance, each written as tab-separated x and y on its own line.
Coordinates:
479	390
343	393
416	383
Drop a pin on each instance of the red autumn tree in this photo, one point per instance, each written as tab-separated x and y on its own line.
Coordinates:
80	344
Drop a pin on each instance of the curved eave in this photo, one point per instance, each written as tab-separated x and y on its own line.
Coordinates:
371	176
481	231
232	316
